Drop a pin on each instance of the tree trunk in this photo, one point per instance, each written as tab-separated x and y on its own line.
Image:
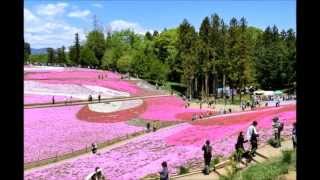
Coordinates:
202	85
206	85
223	86
240	96
232	96
190	89
214	90
196	86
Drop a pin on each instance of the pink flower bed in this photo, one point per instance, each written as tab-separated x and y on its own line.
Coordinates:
76	73
49	131
85	77
166	109
196	135
144	155
32	98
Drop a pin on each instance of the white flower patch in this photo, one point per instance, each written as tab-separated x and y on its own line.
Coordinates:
43	68
74	90
114	106
105	92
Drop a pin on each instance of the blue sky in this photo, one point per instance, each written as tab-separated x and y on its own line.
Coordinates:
53	23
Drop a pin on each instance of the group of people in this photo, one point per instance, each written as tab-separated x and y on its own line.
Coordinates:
252	106
101	76
241	152
224	111
90	98
201	115
251	136
66	100
154	128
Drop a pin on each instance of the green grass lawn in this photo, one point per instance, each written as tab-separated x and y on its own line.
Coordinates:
268	170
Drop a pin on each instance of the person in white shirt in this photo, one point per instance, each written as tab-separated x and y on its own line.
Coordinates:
252	135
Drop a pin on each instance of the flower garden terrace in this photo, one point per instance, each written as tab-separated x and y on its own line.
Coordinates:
71	128
59	130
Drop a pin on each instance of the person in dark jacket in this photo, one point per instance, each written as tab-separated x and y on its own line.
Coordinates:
294	136
94	148
240	150
98	175
148	127
207	155
99	97
164	174
53	100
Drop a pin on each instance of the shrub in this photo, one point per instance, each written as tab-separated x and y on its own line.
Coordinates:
287	156
272	142
183	170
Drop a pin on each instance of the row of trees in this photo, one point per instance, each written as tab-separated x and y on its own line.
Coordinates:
215	56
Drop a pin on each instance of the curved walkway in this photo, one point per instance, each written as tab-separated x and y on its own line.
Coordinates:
82	102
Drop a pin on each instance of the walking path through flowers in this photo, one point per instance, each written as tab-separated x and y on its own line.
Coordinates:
267	151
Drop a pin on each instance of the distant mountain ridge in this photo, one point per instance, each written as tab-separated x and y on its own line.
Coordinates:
39	51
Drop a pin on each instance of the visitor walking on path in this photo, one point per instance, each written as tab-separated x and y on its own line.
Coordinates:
148	127
207	155
164	174
52	99
94	148
276	129
99	97
294	136
98	175
65	100
252	136
240	150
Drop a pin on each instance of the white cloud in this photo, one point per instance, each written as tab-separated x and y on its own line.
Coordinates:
97	5
118	25
51	9
79	14
43	31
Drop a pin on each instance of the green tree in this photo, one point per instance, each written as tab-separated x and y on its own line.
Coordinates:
51	55
87	57
124	63
186	45
27	51
148	36
96	43
204	55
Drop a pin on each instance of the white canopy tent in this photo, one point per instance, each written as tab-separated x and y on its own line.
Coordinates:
264	93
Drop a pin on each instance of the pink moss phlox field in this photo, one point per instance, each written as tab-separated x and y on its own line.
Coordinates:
36	98
85	77
166	108
129	161
144	155
196	135
48	131
76	73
